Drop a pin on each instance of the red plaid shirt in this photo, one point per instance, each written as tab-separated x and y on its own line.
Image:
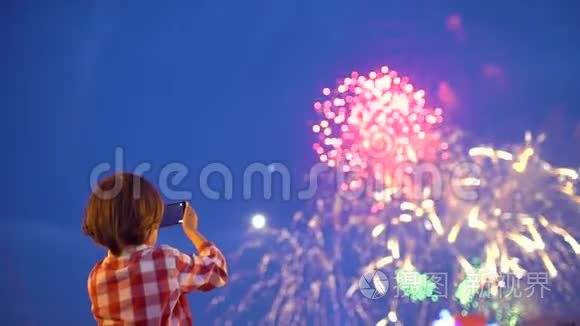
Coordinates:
148	286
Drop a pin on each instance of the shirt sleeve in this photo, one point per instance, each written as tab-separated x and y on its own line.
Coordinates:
205	271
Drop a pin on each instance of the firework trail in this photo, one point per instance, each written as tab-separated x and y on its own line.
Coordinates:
523	223
303	274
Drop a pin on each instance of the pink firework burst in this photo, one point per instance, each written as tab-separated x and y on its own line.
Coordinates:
376	121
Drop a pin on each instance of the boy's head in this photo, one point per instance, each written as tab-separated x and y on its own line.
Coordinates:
123	210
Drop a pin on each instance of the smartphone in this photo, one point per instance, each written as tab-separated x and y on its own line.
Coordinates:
173	214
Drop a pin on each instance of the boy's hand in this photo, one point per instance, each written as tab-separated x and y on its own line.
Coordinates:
190	220
190	223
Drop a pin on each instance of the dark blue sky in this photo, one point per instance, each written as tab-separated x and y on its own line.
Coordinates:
234	82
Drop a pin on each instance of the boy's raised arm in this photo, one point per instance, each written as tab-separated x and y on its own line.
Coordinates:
206	270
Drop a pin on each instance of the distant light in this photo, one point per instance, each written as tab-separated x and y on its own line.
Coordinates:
445	319
392	316
258	221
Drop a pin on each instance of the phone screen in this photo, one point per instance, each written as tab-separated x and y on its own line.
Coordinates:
173	214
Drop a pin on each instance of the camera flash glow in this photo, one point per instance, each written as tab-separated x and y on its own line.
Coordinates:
258	221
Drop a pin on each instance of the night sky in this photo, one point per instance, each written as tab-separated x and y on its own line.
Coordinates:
198	82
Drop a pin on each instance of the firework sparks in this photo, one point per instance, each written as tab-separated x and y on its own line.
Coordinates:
522	222
519	222
523	218
518	219
375	122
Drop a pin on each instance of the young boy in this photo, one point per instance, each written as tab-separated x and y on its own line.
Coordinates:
137	283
